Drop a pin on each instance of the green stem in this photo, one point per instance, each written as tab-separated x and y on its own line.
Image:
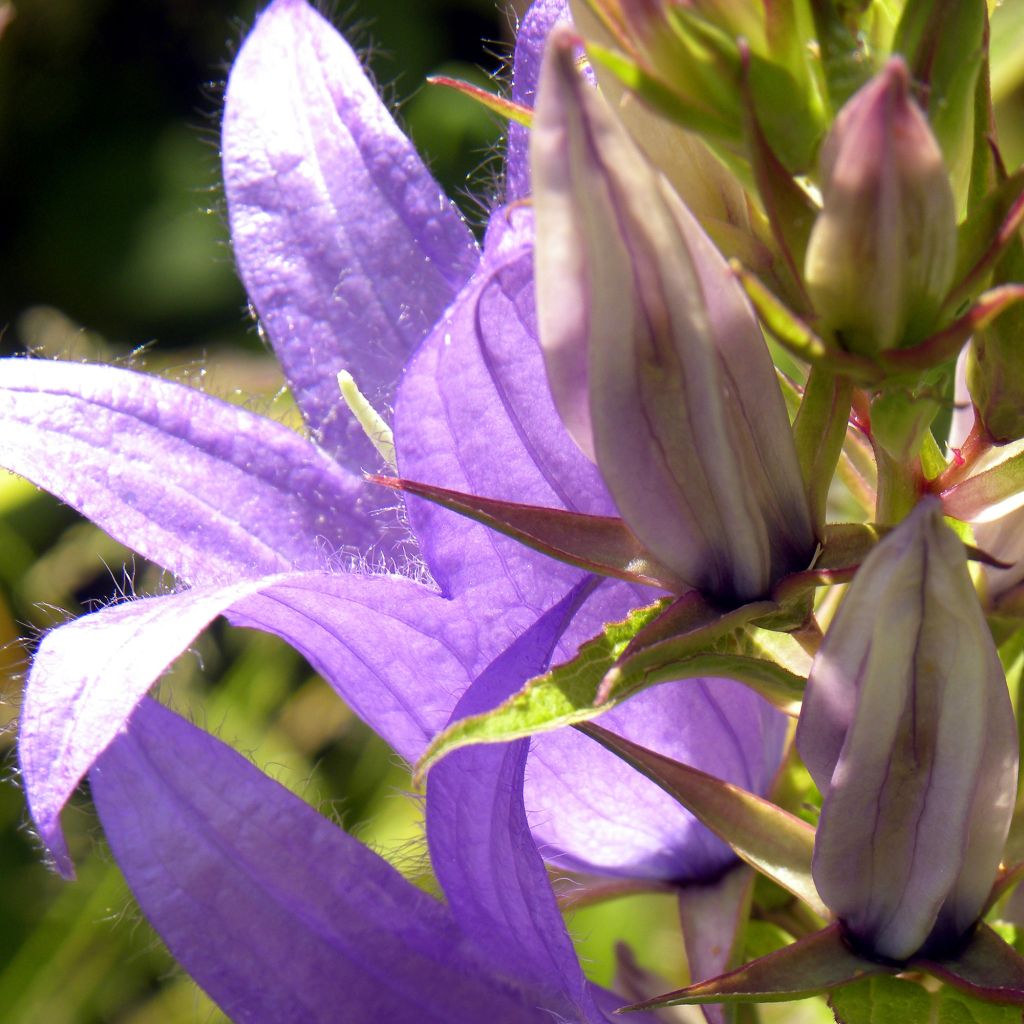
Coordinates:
899	486
819	431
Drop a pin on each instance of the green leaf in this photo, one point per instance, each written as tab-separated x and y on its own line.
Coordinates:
960	1008
814	964
665	641
881	1000
884	1000
559	697
786	111
943	43
986	233
691	655
771	840
662	98
844	59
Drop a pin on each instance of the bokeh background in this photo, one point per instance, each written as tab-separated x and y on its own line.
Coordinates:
113	247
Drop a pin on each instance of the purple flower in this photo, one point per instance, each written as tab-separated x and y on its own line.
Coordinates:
354	260
908	731
280	915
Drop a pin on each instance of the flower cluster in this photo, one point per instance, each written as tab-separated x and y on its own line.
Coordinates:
667	451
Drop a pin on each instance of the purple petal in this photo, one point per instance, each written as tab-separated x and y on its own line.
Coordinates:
275	929
370	638
473	415
538	21
347	246
205	489
514	362
713	917
590	811
86	680
484	854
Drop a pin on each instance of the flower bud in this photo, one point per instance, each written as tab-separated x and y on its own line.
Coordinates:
908	731
655	360
882	252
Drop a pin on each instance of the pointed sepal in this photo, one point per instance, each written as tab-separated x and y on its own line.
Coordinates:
599	544
769	839
987	968
496	104
978	495
812	965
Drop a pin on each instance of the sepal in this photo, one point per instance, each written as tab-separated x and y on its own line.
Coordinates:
495	103
978	497
600	544
771	840
986	967
812	965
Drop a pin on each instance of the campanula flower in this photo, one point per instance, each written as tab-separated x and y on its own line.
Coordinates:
274	929
354	261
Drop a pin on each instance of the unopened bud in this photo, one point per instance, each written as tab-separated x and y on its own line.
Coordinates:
655	360
908	731
882	252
